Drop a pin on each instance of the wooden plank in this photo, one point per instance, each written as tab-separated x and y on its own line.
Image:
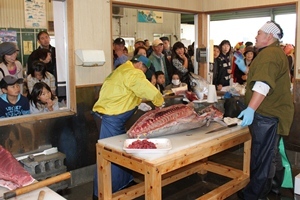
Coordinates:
125	160
227	189
104	176
139	189
247	155
182	172
31	118
130	193
202	27
153	184
223	170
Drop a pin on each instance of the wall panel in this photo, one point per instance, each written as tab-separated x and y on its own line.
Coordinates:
92	30
12	13
128	26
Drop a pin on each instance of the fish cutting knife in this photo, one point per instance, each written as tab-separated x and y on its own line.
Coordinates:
221	128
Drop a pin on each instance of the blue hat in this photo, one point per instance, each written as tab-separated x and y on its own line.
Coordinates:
143	59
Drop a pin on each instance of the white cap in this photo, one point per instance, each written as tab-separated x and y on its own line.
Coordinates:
271	27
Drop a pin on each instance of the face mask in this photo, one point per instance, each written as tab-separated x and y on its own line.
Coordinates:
176	82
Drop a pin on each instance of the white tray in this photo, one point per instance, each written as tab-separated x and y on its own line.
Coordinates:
163	145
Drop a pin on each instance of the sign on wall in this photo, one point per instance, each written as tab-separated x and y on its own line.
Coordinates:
149	16
8	36
35	14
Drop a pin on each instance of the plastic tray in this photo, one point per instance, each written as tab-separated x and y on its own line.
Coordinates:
163	145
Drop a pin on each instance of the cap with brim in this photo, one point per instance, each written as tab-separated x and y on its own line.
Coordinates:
8	48
164	38
139	40
143	59
157	42
119	41
9	80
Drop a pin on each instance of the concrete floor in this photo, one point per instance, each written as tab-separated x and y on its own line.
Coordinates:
192	186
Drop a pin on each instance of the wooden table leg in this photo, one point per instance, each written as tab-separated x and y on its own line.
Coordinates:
153	184
247	155
104	177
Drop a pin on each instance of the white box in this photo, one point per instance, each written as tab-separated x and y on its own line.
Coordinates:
90	58
297	184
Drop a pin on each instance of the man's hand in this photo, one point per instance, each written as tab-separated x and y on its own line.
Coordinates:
144	107
248	115
163	105
240	62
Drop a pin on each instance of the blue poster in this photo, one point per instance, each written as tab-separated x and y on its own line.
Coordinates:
148	16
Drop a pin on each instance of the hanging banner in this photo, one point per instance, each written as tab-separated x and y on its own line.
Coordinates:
35	14
148	16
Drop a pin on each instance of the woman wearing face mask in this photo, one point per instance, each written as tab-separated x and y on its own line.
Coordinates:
182	62
176	83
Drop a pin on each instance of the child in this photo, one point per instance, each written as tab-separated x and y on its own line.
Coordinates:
160	81
12	103
39	73
153	79
176	83
42	99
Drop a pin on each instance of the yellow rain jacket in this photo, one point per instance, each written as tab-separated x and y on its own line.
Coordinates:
124	89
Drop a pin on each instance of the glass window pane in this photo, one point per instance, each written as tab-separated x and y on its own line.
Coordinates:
288	25
236	30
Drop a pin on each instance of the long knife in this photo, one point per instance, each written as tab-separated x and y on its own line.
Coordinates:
221	128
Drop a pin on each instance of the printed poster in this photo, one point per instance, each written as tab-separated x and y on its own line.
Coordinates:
8	36
27	47
35	14
148	16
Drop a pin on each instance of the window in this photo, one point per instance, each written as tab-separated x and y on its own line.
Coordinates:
242	26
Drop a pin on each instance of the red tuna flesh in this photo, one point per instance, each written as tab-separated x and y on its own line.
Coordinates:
12	174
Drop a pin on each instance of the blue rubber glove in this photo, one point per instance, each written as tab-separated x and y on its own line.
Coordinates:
240	61
248	115
227	95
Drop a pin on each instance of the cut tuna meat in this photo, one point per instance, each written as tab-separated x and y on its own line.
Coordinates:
12	174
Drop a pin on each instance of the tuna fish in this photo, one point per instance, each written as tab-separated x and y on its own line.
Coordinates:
12	174
173	119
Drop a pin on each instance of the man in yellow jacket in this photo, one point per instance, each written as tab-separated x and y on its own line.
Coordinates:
120	95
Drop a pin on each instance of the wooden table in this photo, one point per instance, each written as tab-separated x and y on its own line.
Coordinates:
188	155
